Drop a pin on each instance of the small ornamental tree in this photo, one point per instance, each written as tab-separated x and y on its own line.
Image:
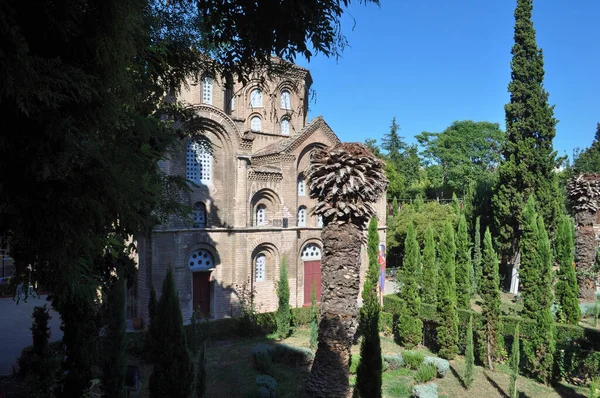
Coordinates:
284	316
173	370
515	357
463	266
566	288
314	318
395	207
430	272
469	356
530	260
447	330
490	293
477	256
368	372
114	361
410	327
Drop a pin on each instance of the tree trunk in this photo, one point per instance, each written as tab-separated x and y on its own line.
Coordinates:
585	249
340	266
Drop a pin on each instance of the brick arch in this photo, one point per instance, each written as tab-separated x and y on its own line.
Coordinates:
303	159
311	271
203	245
270	199
272	253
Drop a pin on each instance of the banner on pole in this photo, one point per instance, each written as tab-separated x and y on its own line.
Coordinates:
381	260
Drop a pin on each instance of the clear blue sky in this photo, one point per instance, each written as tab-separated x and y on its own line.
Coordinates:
431	62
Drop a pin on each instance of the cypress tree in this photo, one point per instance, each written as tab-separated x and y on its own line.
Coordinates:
477	256
395	207
469	356
410	326
173	370
284	316
490	293
530	260
429	285
115	363
567	289
463	266
314	318
515	357
447	331
529	158
368	372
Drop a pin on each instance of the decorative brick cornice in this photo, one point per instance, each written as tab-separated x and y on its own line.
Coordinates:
212	113
254	175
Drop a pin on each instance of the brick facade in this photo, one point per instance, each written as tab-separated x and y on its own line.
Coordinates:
250	169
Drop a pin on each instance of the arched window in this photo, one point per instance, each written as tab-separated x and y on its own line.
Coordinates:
285	100
301	186
199	215
302	217
201	260
256	98
260	268
320	221
198	164
261	215
255	124
311	252
207	90
285	126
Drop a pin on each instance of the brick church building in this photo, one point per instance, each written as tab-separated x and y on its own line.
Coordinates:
250	200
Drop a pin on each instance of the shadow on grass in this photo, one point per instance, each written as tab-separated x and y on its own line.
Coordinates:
495	385
458	377
566	391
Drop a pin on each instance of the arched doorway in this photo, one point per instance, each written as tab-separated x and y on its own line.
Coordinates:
311	256
201	263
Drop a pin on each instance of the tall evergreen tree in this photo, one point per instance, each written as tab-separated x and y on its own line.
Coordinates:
173	369
393	143
284	316
447	330
477	256
463	265
410	326
530	260
430	272
395	208
566	287
529	159
469	356
368	372
515	357
490	293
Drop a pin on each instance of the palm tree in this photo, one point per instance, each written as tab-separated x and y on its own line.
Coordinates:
346	180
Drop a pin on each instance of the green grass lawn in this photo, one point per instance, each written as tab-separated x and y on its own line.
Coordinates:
230	374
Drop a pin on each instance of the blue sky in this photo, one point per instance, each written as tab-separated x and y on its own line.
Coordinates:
431	62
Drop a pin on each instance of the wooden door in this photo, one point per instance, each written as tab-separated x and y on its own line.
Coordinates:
201	292
312	275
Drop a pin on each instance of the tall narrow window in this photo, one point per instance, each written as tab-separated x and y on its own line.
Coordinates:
320	221
261	217
302	217
255	124
198	164
199	215
260	268
207	90
256	98
285	126
301	186
285	100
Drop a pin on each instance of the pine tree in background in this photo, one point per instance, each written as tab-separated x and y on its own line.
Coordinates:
539	348
456	206
490	294
463	266
447	330
529	157
410	326
430	272
314	318
114	361
566	288
477	257
469	356
530	260
173	370
515	357
284	316
368	372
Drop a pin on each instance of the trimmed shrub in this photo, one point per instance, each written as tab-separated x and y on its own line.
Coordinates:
425	391
413	359
386	323
425	373
290	355
263	360
301	316
442	366
394	361
267	386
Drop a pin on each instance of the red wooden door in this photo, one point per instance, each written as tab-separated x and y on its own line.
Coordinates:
312	275
201	292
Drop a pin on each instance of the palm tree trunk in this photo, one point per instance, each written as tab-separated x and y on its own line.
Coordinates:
340	266
585	247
